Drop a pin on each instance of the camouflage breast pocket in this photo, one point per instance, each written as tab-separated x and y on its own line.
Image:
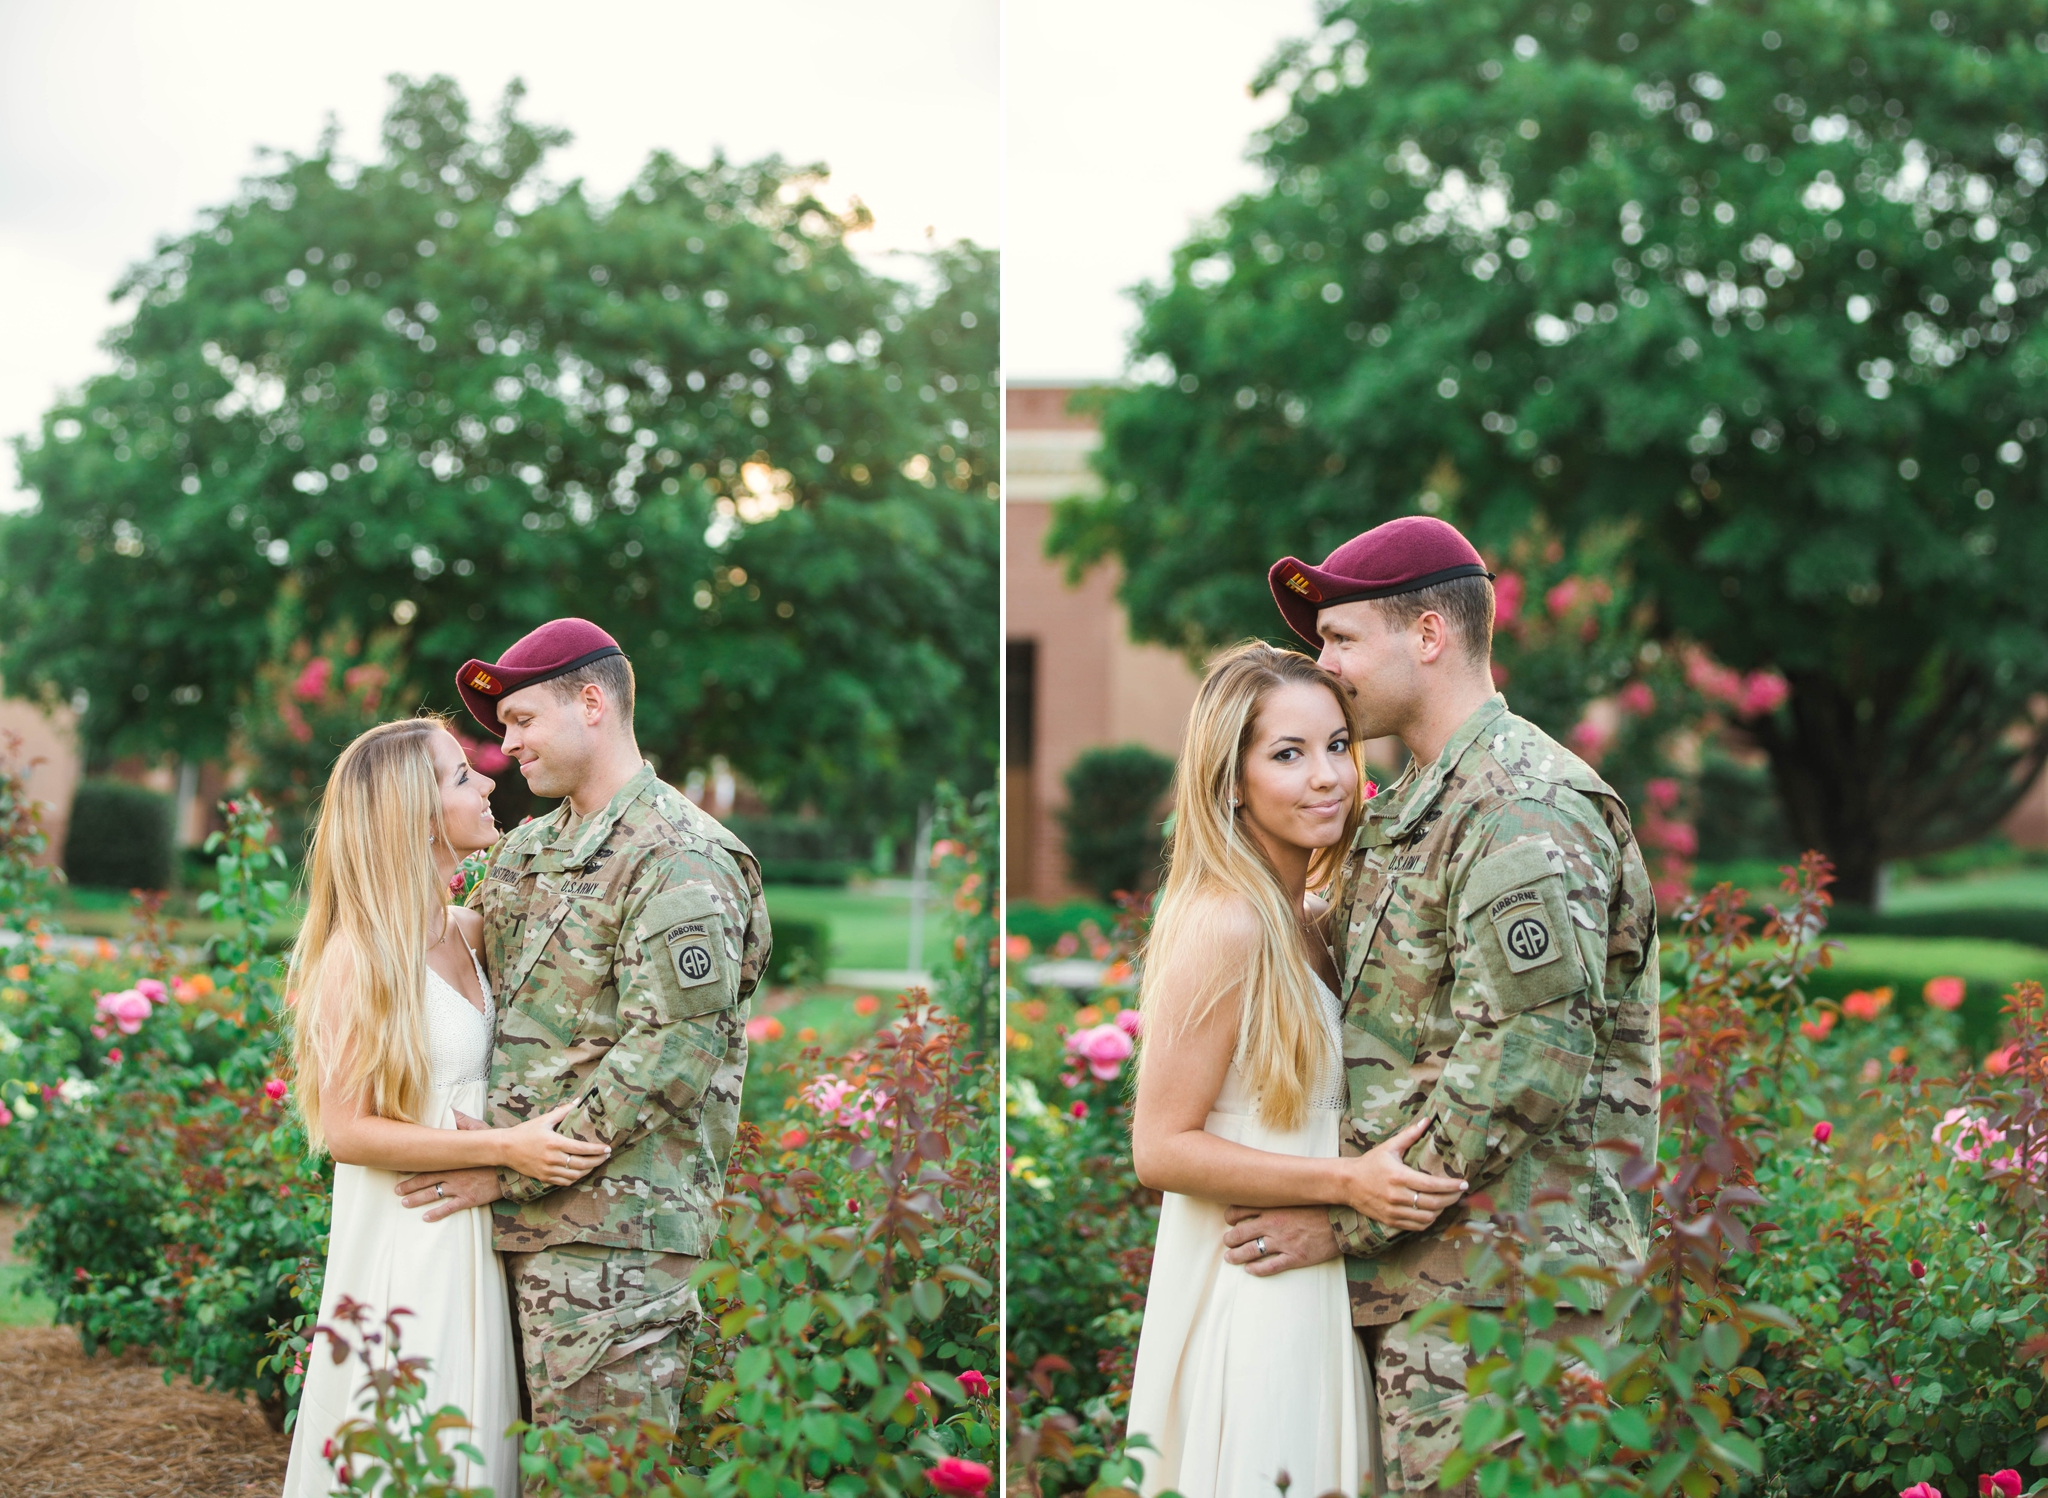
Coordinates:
1517	918
1397	969
682	932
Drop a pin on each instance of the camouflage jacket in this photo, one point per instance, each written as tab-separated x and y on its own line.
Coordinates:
1498	943
623	953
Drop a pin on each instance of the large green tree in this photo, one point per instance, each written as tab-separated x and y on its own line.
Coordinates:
1760	282
438	394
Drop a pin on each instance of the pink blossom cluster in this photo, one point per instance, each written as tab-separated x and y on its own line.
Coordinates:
1105	1048
312	682
485	757
845	1103
1970	1136
1751	696
129	1009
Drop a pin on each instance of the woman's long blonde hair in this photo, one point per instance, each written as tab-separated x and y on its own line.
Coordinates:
373	903
1213	855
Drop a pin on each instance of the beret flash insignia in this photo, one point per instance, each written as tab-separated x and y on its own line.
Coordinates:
483	681
1299	583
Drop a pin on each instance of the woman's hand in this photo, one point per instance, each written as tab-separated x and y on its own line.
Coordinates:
534	1149
1382	1187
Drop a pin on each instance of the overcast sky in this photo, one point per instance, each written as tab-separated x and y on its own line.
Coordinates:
121	119
1126	123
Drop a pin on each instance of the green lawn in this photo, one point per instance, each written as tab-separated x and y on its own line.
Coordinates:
2011	889
867	930
17	1306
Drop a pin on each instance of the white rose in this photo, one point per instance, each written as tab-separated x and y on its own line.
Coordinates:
75	1089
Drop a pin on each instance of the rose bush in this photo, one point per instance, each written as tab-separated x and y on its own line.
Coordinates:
850	1336
1848	1289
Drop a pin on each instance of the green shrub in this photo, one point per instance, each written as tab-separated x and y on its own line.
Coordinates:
800	850
1112	818
1044	925
120	837
803	950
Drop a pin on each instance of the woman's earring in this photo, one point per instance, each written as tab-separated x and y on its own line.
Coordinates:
430	840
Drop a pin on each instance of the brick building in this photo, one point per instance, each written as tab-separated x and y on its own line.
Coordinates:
1074	679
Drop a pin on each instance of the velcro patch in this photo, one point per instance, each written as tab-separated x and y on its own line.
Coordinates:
1524	929
691	959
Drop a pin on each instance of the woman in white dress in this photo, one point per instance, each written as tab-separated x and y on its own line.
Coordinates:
1241	1089
392	1026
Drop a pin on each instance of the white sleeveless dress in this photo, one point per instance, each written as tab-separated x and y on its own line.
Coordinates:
446	1273
1240	1378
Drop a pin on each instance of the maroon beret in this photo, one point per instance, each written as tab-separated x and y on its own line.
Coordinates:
1416	551
555	649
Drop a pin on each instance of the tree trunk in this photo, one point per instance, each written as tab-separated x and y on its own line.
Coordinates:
1899	769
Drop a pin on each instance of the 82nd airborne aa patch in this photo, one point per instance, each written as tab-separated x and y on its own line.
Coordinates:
689	953
1523	926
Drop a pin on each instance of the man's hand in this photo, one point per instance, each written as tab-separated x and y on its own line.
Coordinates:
458	1189
1290	1237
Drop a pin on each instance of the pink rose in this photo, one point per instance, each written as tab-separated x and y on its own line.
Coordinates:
764	1027
1663	792
1508	593
975	1384
313	680
959	1478
1762	692
113	1055
1105	1048
1560	598
1637	698
150	989
128	1009
1943	993
2005	1484
1079	1109
1131	1022
2000	1061
6	1117
1823	1131
275	1089
1919	1489
1371	790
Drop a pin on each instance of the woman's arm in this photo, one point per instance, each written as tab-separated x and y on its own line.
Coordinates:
1180	1073
355	1137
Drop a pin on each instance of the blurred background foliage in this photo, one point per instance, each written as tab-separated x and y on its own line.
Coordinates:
414	407
1729	315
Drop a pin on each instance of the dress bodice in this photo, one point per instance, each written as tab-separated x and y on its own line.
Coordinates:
458	1037
1327	1091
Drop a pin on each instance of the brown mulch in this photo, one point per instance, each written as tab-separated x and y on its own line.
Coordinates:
108	1427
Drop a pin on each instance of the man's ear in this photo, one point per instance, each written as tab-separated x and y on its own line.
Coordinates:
593	703
1433	637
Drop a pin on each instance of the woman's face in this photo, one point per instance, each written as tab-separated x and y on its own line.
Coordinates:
1299	782
465	798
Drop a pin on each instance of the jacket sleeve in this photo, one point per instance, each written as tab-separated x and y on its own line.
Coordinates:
682	971
1528	935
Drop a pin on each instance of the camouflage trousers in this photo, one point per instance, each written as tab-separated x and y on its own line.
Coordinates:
604	1334
1417	1399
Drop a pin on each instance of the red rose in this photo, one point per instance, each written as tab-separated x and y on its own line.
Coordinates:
1821	1131
957	1475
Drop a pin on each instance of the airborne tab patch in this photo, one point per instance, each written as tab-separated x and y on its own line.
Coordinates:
1524	930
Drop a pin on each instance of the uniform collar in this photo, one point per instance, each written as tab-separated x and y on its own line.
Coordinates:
591	834
1428	785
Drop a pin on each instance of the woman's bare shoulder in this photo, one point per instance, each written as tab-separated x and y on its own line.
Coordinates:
468	923
1220	924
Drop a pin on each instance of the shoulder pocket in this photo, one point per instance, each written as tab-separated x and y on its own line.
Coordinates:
1515	915
682	933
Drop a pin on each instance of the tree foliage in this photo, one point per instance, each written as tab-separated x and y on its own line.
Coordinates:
439	394
1760	283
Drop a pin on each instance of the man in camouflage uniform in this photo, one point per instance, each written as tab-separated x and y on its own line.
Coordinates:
624	934
1497	938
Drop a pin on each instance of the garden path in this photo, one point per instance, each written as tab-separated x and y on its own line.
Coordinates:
108	1427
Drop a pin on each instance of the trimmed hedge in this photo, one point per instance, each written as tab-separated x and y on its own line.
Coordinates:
1043	925
803	951
120	837
1112	819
